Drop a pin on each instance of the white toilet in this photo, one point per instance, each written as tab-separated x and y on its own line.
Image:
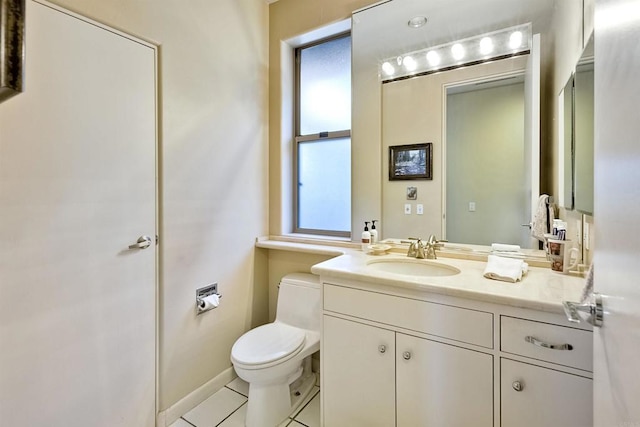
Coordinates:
275	359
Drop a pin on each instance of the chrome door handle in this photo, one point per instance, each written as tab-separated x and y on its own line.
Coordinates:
143	242
595	311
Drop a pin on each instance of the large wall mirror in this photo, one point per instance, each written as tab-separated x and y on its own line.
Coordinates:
414	110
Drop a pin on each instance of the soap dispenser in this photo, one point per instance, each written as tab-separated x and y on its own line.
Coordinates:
366	237
374	232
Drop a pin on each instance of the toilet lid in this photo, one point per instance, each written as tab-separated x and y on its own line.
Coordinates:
267	343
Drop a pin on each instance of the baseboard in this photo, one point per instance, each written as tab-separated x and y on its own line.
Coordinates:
170	415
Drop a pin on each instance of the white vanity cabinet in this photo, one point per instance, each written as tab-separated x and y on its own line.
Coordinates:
407	359
381	375
533	395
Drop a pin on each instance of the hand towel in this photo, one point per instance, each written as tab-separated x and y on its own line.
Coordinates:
543	218
502	247
505	269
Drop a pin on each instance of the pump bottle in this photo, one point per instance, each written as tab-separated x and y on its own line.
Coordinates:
374	232
366	237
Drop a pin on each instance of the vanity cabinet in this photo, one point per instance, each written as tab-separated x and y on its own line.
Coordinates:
398	359
379	376
532	395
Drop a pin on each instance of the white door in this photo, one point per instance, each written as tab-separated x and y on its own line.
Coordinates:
617	212
532	138
77	187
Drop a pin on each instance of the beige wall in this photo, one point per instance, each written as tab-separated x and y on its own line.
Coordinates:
214	195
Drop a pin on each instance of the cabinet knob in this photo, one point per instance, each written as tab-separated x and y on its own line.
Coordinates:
382	348
406	355
517	386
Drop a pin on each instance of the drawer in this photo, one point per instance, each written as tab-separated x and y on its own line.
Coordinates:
569	346
455	323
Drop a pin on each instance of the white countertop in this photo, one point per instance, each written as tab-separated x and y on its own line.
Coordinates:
540	289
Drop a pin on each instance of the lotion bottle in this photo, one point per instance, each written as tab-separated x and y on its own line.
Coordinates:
374	232
366	237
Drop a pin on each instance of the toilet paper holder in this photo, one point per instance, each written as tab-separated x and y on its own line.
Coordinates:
207	298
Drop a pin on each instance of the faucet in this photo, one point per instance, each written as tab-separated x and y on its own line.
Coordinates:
431	246
420	249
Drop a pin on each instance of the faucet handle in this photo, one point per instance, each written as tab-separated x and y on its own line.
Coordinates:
413	247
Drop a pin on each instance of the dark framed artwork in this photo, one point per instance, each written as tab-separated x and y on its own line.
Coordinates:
413	161
11	47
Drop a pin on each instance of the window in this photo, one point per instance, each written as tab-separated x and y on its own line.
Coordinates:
322	147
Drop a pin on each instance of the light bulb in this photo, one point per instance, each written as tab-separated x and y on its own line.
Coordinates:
409	63
457	51
388	69
486	45
433	58
515	40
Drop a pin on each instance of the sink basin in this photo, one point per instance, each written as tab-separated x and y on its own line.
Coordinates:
412	267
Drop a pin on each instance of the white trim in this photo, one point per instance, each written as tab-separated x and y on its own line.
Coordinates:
170	415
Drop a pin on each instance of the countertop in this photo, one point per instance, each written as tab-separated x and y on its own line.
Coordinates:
540	289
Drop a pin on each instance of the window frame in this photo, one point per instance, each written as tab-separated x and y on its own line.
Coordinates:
298	138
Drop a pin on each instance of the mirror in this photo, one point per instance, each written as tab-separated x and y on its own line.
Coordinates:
576	132
567	145
583	131
410	111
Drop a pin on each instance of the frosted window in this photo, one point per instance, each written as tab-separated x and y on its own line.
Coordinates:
324	184
325	87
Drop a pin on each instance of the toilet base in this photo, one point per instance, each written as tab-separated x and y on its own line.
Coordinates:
269	405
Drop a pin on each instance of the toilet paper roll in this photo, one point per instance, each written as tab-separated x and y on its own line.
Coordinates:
209	302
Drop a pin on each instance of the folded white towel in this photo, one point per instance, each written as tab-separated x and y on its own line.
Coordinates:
505	269
503	247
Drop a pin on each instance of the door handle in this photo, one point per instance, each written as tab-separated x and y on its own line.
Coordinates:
143	242
595	310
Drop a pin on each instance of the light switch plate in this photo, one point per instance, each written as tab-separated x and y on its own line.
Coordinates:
419	209
472	206
407	208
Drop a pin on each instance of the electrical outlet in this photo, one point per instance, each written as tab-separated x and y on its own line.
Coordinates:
472	206
407	208
419	209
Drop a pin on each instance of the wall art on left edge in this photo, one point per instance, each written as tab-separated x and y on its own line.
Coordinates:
12	47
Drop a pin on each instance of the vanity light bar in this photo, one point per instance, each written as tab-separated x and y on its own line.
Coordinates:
473	50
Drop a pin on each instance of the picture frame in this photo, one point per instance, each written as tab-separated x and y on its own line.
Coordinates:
12	46
411	162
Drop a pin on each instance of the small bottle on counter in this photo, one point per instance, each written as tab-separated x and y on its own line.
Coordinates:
374	232
366	237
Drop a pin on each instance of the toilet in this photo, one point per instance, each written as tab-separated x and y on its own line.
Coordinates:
275	359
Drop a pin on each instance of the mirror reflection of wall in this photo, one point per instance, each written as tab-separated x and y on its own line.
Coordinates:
485	182
583	129
567	145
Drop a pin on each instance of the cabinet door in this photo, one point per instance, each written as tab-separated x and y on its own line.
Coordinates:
536	396
442	385
358	371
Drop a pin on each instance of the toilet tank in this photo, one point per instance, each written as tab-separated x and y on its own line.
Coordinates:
299	301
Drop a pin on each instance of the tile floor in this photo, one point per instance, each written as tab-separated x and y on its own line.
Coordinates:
228	406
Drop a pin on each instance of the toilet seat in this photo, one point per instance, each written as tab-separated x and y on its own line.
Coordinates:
274	342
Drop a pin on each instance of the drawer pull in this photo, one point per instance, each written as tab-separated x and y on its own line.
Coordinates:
517	386
382	348
539	343
406	355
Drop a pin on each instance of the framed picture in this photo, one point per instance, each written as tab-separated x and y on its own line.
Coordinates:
412	193
11	47
410	161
